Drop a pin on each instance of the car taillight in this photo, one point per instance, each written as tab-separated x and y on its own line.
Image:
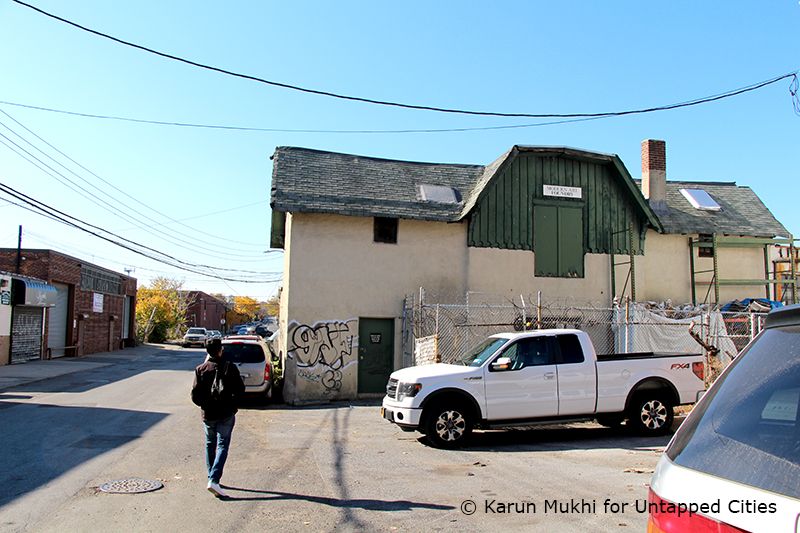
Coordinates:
266	372
668	517
699	370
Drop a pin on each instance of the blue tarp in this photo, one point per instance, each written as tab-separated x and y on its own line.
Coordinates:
744	305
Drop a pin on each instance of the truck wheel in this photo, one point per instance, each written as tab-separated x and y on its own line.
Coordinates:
651	415
447	425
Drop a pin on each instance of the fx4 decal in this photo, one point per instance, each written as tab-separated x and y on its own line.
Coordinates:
679	366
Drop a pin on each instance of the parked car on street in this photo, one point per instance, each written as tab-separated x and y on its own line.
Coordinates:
735	461
195	336
262	331
213	334
252	356
542	376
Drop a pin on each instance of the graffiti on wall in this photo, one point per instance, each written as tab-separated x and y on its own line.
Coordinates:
322	350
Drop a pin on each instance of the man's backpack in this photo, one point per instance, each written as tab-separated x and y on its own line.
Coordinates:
207	394
218	391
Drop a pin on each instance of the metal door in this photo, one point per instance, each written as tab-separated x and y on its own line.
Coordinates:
57	322
26	333
375	353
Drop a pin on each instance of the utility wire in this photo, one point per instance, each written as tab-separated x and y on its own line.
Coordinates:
74	222
100	202
73	249
689	103
135	221
71	224
290	130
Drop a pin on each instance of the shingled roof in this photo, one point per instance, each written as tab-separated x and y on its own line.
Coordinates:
317	181
327	182
741	213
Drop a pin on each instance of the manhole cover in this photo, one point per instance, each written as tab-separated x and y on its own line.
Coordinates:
131	486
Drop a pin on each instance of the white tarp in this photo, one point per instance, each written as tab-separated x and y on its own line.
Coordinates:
648	331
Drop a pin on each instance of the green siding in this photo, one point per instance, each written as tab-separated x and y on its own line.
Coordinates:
503	216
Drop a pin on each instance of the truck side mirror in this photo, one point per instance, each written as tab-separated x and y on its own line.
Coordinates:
501	363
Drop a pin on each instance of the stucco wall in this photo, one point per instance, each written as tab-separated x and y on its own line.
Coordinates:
665	273
509	273
335	273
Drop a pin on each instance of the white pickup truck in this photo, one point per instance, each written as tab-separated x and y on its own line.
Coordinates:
543	376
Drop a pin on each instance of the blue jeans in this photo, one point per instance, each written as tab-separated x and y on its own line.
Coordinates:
218	440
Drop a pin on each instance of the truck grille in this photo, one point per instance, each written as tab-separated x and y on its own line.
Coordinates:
391	388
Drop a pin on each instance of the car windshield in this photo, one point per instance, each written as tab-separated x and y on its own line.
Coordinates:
243	353
480	353
747	428
195	331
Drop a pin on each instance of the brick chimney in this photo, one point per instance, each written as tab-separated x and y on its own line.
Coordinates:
654	173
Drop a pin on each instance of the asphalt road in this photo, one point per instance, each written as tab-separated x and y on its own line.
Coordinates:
332	467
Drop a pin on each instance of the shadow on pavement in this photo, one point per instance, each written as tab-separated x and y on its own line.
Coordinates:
43	442
116	368
366	504
559	438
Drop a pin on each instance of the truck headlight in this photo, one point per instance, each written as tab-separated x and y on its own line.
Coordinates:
408	390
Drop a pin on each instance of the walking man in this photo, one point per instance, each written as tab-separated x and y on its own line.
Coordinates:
217	385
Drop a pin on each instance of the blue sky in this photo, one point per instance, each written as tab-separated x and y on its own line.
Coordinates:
536	57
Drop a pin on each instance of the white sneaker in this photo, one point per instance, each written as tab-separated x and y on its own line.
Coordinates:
216	490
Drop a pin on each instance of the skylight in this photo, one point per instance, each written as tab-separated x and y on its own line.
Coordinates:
700	199
438	194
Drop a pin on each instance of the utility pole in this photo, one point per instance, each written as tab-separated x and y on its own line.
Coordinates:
19	248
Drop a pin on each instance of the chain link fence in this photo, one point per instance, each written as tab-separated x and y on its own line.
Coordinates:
445	326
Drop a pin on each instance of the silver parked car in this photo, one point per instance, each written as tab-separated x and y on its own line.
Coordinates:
252	356
734	464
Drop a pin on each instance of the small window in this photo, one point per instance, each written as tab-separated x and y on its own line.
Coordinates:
385	230
705	251
570	350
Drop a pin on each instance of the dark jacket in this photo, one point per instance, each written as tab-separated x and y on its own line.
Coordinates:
233	385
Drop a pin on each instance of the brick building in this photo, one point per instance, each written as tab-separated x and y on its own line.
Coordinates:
205	311
92	311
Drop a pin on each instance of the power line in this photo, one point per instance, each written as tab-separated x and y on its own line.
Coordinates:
59	246
388	103
290	130
115	211
68	220
100	202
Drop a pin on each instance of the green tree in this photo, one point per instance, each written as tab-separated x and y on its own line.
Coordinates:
161	310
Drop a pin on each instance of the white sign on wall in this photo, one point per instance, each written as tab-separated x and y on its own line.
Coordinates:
97	302
562	192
